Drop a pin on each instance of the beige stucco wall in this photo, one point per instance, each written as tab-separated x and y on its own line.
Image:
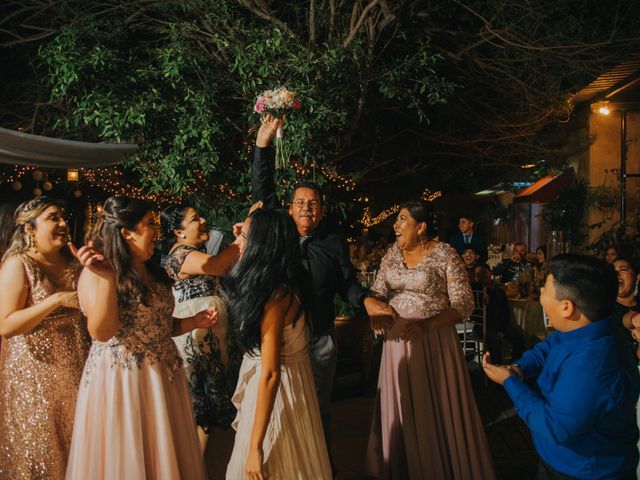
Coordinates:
604	162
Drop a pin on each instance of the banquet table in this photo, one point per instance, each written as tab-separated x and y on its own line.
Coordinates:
528	315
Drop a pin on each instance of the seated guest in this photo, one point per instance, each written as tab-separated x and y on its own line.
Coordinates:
583	418
468	238
540	266
611	253
470	259
510	267
626	301
499	324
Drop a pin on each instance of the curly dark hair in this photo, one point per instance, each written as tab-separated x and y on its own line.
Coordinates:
171	219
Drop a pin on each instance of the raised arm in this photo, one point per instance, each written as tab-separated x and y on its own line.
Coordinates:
262	172
272	330
15	319
199	263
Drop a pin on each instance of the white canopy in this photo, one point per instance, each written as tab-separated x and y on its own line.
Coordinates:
26	149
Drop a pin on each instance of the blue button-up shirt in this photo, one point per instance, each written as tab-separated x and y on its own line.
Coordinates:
583	421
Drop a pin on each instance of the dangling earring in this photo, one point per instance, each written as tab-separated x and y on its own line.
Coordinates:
32	243
422	243
635	290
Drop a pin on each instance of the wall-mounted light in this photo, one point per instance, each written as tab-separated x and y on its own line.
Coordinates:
601	107
72	175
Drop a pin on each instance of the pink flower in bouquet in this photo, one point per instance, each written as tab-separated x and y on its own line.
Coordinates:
259	108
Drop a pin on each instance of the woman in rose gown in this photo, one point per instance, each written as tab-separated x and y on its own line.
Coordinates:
133	418
278	428
426	423
210	360
45	344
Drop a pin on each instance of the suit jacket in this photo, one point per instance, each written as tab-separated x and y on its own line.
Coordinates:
325	255
477	243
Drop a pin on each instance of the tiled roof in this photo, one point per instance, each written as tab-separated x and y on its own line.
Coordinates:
611	81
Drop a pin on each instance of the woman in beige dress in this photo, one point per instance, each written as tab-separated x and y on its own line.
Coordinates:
278	428
426	423
45	344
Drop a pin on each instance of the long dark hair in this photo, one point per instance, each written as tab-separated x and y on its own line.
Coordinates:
271	264
118	213
170	220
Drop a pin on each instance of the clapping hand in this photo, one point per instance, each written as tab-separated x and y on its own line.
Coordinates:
92	259
206	318
498	373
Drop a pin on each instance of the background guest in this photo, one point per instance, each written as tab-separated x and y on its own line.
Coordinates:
508	268
499	323
626	301
611	253
470	260
45	344
469	237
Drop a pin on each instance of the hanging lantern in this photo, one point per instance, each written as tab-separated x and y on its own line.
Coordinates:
77	193
16	185
73	175
47	185
38	175
37	192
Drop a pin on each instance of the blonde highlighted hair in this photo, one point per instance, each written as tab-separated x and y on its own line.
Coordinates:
26	214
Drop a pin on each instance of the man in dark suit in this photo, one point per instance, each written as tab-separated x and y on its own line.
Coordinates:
469	238
325	256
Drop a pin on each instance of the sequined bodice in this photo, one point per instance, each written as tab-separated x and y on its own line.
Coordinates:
145	335
39	375
56	339
437	282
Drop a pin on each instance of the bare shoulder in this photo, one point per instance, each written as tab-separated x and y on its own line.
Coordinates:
12	269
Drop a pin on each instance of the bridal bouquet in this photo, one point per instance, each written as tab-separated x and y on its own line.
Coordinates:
277	103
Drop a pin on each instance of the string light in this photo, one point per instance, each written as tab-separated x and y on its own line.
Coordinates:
368	221
429	196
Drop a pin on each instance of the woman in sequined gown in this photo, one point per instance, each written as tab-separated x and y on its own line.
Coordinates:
278	428
44	348
133	418
426	423
209	358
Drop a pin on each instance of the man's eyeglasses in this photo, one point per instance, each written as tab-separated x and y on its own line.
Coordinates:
312	204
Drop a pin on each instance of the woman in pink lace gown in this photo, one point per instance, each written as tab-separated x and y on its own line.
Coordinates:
426	423
133	418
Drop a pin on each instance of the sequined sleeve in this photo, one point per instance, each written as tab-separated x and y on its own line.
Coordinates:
172	263
458	287
379	287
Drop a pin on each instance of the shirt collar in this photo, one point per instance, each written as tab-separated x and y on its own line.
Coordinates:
584	334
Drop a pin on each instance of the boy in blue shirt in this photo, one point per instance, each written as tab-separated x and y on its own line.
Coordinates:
583	420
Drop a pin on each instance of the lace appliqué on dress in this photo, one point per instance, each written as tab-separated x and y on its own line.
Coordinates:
145	334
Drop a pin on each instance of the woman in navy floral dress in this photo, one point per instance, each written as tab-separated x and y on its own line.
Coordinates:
211	363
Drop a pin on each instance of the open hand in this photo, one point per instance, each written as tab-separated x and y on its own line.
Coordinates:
380	325
496	373
268	130
253	467
206	318
92	259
